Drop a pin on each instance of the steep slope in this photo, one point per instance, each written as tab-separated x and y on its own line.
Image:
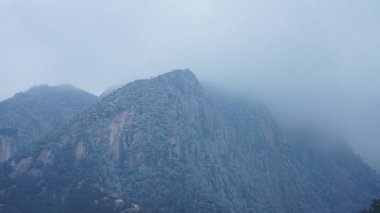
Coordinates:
167	145
31	115
111	89
332	169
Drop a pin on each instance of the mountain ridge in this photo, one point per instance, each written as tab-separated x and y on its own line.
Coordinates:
167	145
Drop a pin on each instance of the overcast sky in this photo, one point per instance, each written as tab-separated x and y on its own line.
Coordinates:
310	60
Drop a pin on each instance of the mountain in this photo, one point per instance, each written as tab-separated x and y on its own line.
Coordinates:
33	114
166	144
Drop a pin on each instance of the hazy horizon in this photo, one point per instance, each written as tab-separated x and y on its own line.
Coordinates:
311	61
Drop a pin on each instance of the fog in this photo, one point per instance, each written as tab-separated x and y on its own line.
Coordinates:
310	61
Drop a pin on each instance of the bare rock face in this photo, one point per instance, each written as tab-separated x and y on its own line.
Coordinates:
168	145
5	148
29	116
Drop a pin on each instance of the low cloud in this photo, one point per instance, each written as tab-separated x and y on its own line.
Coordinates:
311	61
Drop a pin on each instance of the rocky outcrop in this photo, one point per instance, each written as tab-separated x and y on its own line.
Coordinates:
5	148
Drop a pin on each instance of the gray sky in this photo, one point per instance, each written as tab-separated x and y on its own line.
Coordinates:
310	60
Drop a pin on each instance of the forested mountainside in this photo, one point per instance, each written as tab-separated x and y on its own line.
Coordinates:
33	114
168	145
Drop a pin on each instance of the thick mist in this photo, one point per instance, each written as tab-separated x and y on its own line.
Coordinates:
312	62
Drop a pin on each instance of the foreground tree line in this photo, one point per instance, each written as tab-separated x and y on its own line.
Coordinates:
374	208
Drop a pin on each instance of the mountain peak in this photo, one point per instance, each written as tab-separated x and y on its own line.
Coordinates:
45	90
184	80
184	75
